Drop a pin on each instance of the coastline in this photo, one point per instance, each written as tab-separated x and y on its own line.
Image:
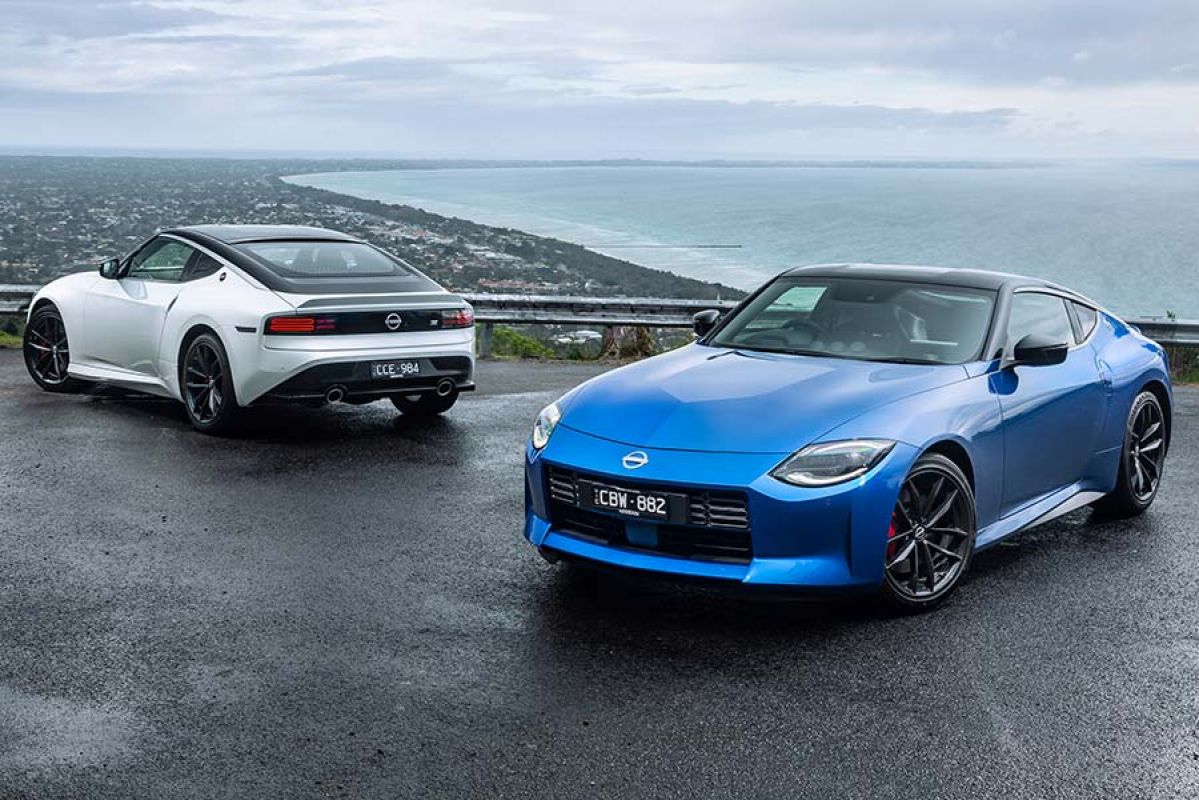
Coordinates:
601	273
704	262
1130	242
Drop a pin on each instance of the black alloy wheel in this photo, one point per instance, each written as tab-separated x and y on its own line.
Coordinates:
1141	461
48	353
208	385
931	537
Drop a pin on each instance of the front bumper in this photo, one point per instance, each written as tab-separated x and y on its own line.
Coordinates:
827	539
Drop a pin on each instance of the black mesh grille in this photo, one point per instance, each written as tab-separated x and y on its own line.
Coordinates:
717	525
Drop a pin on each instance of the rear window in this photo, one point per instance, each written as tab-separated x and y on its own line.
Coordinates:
323	259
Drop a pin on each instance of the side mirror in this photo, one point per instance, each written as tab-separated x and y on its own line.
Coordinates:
1037	350
110	268
704	321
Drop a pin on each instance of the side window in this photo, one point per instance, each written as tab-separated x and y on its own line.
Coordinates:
1088	318
1042	314
161	260
202	267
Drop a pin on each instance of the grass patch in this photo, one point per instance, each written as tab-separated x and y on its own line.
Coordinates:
1184	363
9	340
1187	375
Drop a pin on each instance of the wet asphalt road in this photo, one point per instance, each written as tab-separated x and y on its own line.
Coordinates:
340	604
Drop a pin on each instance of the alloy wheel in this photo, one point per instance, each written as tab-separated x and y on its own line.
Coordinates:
203	382
931	535
1145	451
47	350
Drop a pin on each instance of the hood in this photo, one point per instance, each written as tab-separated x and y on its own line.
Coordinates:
721	400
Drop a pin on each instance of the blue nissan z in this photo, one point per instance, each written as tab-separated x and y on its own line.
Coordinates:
854	427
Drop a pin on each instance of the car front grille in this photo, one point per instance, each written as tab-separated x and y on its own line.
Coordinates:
716	528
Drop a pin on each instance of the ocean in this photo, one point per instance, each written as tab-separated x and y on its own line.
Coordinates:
1125	234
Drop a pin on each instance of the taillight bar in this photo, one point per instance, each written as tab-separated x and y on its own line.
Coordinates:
300	325
367	323
457	317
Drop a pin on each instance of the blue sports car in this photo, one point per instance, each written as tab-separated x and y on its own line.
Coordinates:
854	427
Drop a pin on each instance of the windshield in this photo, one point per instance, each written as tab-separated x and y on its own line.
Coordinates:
875	320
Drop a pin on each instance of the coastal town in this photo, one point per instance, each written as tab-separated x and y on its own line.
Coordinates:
63	214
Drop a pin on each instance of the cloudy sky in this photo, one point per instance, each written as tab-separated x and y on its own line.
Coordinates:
605	78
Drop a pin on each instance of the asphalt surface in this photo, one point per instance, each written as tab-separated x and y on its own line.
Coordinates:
340	604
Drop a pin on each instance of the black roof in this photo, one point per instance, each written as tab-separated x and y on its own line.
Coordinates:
238	234
227	242
946	276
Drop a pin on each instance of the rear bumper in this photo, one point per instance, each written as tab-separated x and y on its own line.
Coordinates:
309	366
353	378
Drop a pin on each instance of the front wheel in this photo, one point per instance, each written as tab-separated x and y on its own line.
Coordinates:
1141	460
208	386
48	353
427	404
931	537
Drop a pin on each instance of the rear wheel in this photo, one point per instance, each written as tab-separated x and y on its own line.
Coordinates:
48	353
1141	461
427	404
208	386
931	537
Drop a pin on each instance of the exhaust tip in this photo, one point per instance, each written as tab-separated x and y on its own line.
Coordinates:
444	387
335	394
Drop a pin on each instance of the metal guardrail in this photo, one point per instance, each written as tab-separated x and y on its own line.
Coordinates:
602	312
1168	331
612	312
14	298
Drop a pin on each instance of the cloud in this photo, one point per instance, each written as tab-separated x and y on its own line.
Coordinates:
718	77
993	41
372	70
69	19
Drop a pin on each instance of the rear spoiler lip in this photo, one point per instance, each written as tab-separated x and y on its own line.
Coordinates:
389	302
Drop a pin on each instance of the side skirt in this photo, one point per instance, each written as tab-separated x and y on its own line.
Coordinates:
124	379
1052	506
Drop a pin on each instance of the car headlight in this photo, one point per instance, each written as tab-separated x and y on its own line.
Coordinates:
543	428
832	462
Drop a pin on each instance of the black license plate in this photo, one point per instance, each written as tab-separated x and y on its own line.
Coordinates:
659	506
387	370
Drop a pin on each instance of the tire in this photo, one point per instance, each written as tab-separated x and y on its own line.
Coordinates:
427	404
47	352
206	385
1141	460
931	538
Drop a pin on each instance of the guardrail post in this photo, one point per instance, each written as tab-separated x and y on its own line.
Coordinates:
485	340
609	344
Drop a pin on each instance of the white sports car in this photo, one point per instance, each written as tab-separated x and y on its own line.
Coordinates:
225	316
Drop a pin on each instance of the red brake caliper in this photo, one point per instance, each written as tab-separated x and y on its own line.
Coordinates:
891	535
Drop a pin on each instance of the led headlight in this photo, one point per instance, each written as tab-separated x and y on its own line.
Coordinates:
832	462
543	428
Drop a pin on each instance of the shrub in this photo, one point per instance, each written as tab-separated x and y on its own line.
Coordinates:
1184	362
507	342
623	343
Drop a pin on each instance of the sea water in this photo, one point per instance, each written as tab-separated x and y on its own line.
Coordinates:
1126	234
